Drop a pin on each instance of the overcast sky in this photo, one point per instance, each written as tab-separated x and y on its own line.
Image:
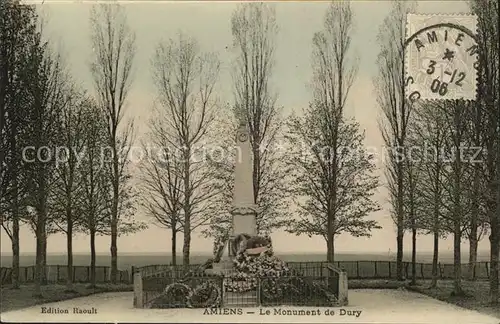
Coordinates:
209	23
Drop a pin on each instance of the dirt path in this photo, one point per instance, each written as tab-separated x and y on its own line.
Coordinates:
388	306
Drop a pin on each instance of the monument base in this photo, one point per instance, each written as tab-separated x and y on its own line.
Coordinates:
223	267
225	264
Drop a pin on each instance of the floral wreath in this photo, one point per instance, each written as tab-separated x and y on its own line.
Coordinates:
178	287
212	299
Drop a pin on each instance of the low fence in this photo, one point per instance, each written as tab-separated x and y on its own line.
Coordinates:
167	269
387	270
358	269
59	273
308	284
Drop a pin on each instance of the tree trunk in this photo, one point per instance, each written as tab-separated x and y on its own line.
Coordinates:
495	229
413	221
92	259
15	252
38	264
436	228
187	210
330	249
114	253
457	261
473	242
256	167
15	236
435	256
494	266
476	195
44	256
40	245
114	234
69	247
330	245
186	246
400	224
174	245
494	211
457	216
114	215
413	253
330	257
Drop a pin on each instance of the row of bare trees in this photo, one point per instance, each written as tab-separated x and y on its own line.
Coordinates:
61	165
187	188
443	190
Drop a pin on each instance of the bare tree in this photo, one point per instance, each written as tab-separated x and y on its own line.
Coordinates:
254	30
68	189
334	74
312	186
396	112
430	134
412	200
95	201
458	117
18	28
478	222
489	60
114	49
162	183
185	79
46	88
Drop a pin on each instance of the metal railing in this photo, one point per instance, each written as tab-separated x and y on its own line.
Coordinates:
370	269
307	284
59	274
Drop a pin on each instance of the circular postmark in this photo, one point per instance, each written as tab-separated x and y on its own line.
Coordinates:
441	57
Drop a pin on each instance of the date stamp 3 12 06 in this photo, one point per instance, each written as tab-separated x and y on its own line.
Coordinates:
441	57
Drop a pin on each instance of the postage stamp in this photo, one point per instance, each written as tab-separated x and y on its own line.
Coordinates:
441	57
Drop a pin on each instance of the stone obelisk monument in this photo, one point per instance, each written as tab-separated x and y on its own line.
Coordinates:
244	208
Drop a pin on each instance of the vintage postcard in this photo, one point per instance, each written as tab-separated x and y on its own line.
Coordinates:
244	161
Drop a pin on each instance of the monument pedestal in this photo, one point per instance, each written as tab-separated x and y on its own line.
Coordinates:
225	265
245	220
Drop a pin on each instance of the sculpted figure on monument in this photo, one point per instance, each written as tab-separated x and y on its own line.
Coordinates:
243	242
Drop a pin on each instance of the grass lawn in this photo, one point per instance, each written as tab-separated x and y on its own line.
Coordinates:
375	284
477	295
477	292
12	299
